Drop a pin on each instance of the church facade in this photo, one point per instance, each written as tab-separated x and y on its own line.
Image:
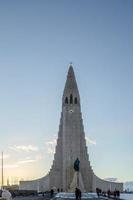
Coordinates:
71	145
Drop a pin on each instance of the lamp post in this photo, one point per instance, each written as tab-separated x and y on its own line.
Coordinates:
2	171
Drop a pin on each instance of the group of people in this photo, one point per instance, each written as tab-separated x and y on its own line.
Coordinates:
52	191
115	193
77	193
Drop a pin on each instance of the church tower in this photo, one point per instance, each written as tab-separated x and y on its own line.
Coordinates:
71	145
71	142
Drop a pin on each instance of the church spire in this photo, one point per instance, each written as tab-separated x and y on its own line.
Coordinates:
71	89
71	72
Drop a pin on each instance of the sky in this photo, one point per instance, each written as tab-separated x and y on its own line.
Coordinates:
38	40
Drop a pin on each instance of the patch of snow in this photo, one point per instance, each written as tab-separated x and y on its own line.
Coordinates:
127	196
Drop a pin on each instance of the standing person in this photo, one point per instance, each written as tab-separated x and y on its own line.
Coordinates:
51	193
97	191
108	193
76	193
118	194
80	194
115	194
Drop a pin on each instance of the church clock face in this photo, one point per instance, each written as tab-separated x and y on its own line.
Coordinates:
71	111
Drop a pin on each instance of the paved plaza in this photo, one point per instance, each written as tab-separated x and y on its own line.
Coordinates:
64	196
48	198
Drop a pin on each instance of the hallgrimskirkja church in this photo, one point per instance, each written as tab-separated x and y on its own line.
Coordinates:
71	148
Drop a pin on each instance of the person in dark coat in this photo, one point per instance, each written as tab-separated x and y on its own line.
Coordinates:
80	194
108	193
76	193
98	192
51	193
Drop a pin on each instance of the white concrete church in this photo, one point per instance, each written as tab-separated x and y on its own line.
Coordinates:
71	144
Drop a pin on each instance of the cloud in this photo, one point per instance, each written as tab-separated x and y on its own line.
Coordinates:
51	146
30	160
39	157
5	156
10	166
90	141
52	142
51	151
28	148
26	161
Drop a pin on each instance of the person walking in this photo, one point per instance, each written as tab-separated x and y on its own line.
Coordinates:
78	194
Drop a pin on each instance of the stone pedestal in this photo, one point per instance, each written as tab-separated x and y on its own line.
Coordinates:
77	181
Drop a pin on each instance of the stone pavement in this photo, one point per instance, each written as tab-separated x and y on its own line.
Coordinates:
48	198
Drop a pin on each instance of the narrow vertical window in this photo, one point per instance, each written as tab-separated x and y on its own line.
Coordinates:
71	99
66	100
75	100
